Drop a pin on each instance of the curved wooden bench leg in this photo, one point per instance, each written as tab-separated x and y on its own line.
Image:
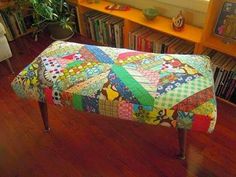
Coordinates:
182	143
44	114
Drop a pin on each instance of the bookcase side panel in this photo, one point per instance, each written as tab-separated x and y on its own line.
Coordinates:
198	48
128	27
80	12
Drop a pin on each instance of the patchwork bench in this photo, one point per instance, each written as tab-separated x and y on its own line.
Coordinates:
160	89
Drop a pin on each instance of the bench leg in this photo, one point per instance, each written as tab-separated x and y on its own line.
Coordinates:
44	115
182	143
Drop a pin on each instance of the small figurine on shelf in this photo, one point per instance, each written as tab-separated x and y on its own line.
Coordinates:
178	22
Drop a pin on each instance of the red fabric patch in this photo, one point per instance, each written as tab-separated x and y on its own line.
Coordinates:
201	123
69	57
48	95
125	55
195	100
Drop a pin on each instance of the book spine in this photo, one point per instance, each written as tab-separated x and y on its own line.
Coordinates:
121	35
218	79
96	30
117	36
87	26
113	43
13	25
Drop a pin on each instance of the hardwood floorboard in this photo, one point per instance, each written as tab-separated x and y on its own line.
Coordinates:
90	145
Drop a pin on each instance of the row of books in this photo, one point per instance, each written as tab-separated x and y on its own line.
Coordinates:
145	39
224	68
104	29
15	23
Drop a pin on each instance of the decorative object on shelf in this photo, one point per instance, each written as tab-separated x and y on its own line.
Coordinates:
54	14
178	22
226	23
150	13
115	6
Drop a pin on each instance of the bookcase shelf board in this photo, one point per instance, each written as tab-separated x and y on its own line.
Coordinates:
226	101
161	24
216	43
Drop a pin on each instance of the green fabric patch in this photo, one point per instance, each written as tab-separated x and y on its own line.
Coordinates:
137	90
74	64
182	92
77	102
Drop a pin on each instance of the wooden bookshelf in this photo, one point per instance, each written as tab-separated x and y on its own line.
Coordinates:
160	23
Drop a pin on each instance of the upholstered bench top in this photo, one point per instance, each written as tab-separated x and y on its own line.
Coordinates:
170	90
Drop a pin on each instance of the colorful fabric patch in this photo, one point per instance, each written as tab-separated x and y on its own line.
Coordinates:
52	69
124	56
108	108
77	101
193	102
125	110
99	54
201	123
90	104
141	112
48	95
109	92
174	83
87	55
135	87
152	76
182	92
184	120
166	117
121	88
143	81
66	99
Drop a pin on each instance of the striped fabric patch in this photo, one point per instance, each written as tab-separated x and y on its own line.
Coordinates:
137	89
99	54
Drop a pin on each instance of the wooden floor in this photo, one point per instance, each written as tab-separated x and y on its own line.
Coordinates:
85	145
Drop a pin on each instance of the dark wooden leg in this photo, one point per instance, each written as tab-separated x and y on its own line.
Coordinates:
44	115
182	143
9	65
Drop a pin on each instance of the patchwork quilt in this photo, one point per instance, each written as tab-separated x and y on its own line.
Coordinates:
159	89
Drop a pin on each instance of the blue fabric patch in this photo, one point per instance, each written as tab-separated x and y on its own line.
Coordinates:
99	54
121	88
90	104
182	78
